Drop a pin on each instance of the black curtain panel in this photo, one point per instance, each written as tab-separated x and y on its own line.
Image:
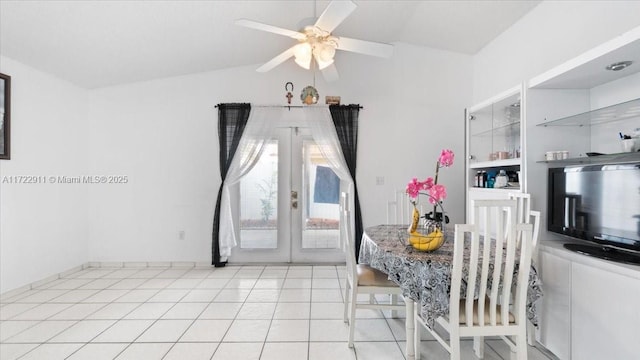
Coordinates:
232	119
345	119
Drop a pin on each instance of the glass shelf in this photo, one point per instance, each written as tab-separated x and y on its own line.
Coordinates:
501	130
507	189
594	160
495	163
622	111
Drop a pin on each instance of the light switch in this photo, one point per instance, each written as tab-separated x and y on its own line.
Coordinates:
379	180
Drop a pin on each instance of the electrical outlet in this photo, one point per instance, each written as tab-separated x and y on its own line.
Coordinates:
379	180
181	235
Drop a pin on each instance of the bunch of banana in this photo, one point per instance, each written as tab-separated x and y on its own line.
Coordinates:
429	242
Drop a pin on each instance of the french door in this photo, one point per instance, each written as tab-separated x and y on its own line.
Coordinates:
289	204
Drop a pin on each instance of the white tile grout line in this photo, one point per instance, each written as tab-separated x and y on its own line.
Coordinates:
124	315
131	265
158	275
98	265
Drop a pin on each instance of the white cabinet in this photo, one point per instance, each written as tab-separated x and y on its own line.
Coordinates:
589	309
605	317
581	107
494	131
555	308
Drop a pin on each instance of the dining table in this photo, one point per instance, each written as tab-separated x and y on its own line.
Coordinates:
424	277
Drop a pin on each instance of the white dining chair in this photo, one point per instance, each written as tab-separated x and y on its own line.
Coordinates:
535	221
399	208
362	279
479	313
524	214
523	206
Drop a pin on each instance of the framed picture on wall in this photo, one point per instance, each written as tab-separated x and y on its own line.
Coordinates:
5	116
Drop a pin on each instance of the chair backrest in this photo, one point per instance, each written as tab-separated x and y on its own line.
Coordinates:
535	217
523	209
349	246
491	264
399	208
525	215
535	221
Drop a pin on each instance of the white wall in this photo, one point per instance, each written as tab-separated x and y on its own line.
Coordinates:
43	226
552	33
163	135
604	137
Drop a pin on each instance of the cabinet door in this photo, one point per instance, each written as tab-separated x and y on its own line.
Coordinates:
605	314
494	130
555	308
480	126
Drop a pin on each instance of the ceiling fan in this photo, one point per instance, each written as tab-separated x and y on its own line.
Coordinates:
317	41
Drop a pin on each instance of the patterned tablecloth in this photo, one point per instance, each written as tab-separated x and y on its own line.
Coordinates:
424	277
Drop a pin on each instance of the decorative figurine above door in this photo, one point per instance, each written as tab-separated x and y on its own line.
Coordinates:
309	95
289	95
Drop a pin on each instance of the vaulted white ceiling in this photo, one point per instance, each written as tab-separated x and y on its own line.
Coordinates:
100	43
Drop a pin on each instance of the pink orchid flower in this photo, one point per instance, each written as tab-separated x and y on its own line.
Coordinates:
428	183
413	188
446	158
437	193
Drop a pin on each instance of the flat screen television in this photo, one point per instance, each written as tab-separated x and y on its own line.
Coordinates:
599	204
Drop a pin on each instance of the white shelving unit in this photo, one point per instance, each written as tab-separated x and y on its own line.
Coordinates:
494	131
581	107
625	115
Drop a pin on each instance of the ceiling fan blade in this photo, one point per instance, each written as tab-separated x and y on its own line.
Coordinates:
284	56
330	73
270	28
365	47
334	14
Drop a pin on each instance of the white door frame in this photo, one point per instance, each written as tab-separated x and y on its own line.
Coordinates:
289	224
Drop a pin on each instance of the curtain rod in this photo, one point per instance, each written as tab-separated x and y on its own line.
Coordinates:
293	106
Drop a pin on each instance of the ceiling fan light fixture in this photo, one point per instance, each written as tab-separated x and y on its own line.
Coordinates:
321	62
326	52
302	50
302	53
304	63
316	43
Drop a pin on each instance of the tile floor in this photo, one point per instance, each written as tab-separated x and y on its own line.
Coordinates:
236	312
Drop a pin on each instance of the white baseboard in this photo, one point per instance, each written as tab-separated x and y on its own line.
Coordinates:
36	284
105	265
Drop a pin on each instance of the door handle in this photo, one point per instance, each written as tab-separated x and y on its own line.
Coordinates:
294	195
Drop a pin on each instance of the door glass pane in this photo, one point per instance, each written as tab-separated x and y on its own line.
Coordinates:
321	191
259	202
480	145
